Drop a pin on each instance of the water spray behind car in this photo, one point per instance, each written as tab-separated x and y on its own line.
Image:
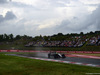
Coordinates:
41	54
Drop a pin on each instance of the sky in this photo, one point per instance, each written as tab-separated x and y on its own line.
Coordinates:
48	17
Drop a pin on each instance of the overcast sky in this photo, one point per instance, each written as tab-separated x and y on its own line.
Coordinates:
48	17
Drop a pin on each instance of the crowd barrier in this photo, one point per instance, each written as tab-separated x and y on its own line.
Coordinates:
49	51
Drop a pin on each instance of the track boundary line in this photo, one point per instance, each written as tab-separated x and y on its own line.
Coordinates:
83	56
53	60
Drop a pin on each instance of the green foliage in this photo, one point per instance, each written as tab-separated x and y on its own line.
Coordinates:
18	37
6	38
12	65
1	38
59	36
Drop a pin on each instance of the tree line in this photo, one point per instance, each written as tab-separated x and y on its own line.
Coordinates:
59	36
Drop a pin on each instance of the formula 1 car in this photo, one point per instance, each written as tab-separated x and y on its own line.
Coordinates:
56	55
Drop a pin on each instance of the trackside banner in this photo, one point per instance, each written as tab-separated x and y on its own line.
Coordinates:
49	51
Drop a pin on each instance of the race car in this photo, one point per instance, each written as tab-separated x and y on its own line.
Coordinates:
56	55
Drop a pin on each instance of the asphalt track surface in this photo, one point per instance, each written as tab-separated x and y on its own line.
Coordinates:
80	60
72	59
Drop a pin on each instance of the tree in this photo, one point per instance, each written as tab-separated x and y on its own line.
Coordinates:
45	38
6	37
11	37
18	37
81	33
91	33
60	34
1	38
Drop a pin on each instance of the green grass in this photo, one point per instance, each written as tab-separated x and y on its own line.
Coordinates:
12	65
22	47
87	54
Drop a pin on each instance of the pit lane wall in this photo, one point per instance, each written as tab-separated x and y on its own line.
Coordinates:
92	52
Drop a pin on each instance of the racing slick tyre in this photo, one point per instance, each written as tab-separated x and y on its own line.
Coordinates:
63	56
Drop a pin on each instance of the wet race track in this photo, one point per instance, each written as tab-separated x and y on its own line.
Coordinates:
83	60
67	59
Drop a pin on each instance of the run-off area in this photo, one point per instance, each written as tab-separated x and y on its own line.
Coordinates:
71	60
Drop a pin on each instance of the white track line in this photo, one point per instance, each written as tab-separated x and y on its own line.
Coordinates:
70	62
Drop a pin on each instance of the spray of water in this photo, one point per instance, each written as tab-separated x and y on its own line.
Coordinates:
41	54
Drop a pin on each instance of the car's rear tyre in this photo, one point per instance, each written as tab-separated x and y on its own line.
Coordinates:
63	56
48	55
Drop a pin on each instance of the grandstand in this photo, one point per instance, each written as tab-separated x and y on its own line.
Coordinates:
89	41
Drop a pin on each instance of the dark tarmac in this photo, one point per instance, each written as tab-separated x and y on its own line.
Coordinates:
71	59
82	60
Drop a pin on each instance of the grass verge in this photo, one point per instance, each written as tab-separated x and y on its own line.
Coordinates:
12	65
87	54
22	47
